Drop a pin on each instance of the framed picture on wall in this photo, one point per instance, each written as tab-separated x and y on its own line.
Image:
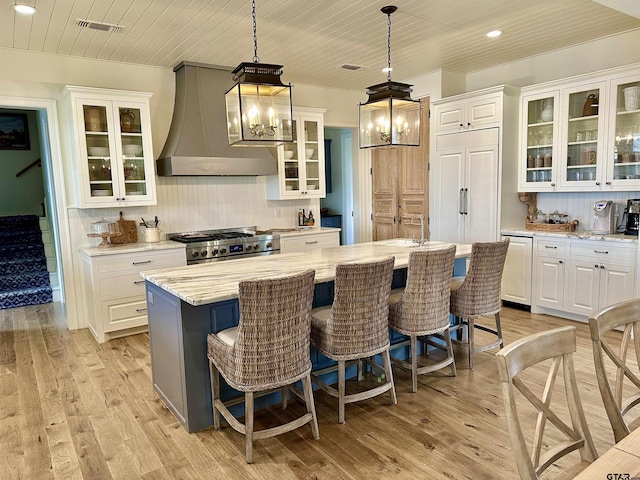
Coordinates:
14	131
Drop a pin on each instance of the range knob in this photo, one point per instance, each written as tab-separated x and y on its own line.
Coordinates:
195	254
204	253
223	250
248	247
256	246
215	251
269	245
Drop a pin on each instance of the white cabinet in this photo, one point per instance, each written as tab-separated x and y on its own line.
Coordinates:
549	264
468	114
579	277
114	291
301	163
592	141
112	148
600	274
466	179
309	240
516	277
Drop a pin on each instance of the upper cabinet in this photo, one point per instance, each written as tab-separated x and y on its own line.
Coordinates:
581	135
301	163
470	114
112	149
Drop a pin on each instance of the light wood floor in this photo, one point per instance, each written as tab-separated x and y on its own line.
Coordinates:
70	408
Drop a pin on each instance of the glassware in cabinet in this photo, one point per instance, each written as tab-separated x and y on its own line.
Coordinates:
626	148
540	134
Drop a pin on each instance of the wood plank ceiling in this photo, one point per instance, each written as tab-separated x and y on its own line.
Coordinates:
312	38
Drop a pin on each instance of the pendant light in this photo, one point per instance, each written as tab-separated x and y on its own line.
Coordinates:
25	7
390	116
259	104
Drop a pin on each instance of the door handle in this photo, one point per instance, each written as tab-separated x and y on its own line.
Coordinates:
399	214
460	201
466	201
311	243
138	282
140	263
600	251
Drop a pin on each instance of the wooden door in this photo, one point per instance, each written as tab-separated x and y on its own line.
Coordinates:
400	187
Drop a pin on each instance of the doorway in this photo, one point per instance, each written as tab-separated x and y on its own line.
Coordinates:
52	193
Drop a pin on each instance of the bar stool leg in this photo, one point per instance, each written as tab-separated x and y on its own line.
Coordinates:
499	329
215	393
341	390
470	338
311	407
414	363
447	339
248	424
389	373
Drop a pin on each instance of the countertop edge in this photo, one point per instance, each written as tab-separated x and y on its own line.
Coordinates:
584	235
130	248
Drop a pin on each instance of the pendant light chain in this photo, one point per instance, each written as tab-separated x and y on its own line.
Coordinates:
256	59
388	47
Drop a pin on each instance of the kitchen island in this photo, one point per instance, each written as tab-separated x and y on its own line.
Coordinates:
185	304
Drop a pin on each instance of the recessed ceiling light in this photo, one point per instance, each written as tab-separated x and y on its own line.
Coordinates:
26	9
494	33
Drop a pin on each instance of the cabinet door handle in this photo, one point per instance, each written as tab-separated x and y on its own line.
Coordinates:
550	246
596	266
608	183
553	184
140	263
311	243
462	125
597	183
560	261
399	214
600	251
460	201
602	267
468	124
138	282
141	309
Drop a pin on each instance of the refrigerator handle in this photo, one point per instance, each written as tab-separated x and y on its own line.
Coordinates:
466	201
461	202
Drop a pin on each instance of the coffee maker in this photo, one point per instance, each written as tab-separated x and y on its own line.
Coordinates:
633	216
604	221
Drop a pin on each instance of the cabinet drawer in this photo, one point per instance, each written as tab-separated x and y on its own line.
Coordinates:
551	247
309	242
124	314
138	262
604	251
121	285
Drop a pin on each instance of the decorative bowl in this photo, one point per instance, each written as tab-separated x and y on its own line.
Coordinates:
99	151
132	149
288	154
310	152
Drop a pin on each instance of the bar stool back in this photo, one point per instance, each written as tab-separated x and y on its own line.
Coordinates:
355	326
269	349
421	308
478	294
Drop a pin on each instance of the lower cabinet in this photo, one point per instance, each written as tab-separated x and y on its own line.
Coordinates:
580	277
516	277
302	242
114	291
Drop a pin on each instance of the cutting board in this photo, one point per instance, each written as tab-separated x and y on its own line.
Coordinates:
128	230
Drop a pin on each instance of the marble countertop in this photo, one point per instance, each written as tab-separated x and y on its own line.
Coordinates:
294	232
585	235
131	248
218	281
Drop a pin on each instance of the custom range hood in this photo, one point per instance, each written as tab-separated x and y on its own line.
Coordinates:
197	143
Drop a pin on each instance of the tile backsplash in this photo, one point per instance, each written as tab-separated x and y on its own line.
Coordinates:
579	205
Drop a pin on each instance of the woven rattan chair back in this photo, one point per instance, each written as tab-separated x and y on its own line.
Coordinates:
272	345
556	346
424	306
479	295
357	324
617	374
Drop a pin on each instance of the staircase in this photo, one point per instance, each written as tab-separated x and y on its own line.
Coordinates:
24	278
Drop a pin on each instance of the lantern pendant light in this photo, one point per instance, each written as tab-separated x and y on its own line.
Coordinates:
390	116
259	105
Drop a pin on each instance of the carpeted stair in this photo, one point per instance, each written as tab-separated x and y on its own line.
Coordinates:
24	279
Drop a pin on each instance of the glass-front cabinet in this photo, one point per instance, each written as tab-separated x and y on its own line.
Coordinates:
301	163
113	153
540	155
623	167
582	153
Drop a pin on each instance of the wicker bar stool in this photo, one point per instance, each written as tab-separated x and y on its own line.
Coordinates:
356	327
421	308
477	294
269	349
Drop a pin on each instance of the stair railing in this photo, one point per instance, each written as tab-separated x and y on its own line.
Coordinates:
35	163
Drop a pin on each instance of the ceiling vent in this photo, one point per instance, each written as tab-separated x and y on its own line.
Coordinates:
103	27
348	66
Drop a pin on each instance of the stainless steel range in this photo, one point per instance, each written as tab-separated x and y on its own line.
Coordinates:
226	244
